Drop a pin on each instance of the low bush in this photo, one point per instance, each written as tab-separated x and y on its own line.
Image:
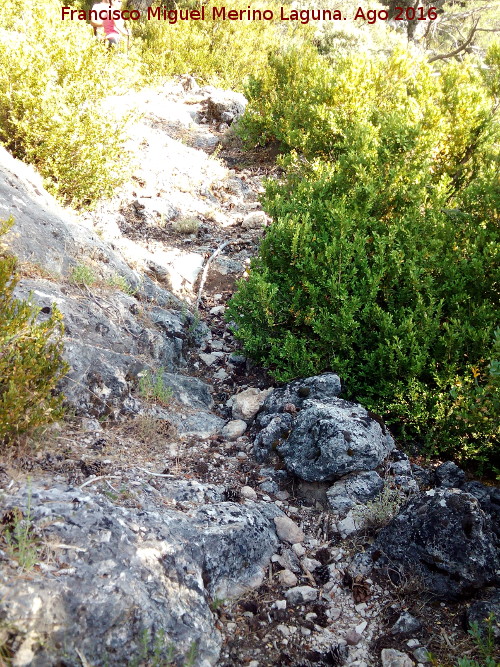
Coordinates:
30	359
382	263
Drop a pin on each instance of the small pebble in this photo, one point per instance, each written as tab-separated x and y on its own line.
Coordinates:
279	604
287	578
301	594
311	564
248	493
352	637
287	530
421	654
298	549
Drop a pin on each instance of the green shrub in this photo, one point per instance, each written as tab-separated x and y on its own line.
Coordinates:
382	263
82	274
152	387
30	358
53	79
220	52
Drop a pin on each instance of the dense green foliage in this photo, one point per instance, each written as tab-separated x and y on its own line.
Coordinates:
30	358
382	263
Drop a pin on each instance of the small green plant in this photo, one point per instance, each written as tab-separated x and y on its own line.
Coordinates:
82	274
31	364
20	540
152	387
377	513
484	639
186	225
485	643
121	283
191	655
217	603
156	653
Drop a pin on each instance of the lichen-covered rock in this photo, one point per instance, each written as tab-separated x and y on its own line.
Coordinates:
120	577
449	476
445	540
269	437
318	387
356	488
331	440
489	499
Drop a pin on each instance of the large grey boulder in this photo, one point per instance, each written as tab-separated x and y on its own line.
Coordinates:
117	578
276	415
445	540
330	440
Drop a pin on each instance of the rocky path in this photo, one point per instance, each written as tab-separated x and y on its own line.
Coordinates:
254	564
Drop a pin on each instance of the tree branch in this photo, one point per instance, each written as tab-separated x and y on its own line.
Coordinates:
460	48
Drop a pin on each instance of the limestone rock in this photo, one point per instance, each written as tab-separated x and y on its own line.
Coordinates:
247	403
318	387
129	574
446	540
421	655
449	475
248	493
225	106
406	624
354	489
44	233
269	437
287	578
254	220
352	637
331	440
189	391
301	595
